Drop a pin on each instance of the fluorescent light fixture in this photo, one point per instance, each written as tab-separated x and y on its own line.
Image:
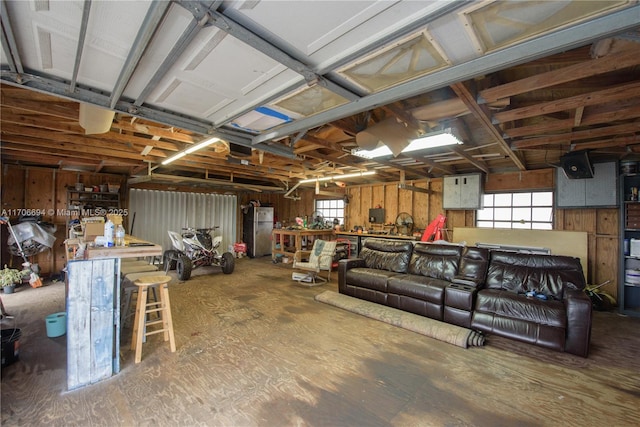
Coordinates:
338	177
193	148
431	140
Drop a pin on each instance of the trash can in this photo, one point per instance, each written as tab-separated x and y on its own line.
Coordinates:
56	324
10	346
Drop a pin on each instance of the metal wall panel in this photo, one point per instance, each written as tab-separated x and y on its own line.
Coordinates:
157	212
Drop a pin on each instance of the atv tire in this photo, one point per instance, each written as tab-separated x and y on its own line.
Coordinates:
227	262
169	259
183	267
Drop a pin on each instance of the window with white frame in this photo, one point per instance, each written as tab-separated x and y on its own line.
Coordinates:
331	209
526	210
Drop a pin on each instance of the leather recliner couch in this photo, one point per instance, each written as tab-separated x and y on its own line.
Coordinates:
477	288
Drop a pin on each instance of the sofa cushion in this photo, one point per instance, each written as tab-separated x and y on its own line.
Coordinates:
387	255
510	305
473	266
419	287
369	278
434	260
545	274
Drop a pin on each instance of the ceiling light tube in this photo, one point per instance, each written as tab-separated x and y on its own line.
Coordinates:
201	145
331	178
174	158
190	150
430	140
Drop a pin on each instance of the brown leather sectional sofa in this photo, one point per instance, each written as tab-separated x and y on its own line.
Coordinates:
538	299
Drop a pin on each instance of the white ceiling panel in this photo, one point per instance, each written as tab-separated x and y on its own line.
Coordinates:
175	22
248	69
224	81
451	35
258	96
329	31
188	98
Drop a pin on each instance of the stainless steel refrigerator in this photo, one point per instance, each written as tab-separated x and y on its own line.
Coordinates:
256	231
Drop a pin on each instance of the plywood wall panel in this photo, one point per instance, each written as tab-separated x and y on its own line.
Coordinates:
420	206
607	222
391	202
605	256
63	181
405	202
378	199
516	181
13	178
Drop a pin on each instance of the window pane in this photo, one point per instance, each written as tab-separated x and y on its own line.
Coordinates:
331	209
542	214
484	214
517	210
522	214
543	198
522	199
502	214
503	199
541	226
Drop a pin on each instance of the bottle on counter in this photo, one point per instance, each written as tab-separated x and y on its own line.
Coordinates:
109	231
119	235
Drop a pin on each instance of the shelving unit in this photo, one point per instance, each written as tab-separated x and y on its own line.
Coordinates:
628	285
90	203
91	200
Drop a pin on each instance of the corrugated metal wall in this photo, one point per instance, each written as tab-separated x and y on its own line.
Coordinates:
157	212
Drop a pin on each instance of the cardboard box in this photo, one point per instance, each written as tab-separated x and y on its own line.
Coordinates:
116	219
93	229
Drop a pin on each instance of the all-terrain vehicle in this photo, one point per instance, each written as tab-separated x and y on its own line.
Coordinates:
195	248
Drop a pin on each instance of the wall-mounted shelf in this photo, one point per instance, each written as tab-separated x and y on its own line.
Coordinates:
91	200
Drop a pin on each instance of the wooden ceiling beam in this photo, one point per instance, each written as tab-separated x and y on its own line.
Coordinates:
69	156
63	130
594	67
150	130
60	109
628	112
569	137
482	114
617	93
71	149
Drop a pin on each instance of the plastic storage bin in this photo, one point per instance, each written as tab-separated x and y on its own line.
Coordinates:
56	324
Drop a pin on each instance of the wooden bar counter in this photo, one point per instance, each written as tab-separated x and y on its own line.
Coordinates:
93	308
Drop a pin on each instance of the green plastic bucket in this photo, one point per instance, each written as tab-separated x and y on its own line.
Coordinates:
56	324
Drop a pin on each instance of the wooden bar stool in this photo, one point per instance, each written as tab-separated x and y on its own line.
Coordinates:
128	269
143	307
129	288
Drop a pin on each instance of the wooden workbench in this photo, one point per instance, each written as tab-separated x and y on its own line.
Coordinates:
93	309
278	237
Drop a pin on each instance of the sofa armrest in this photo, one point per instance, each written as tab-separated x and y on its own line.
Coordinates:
345	265
466	281
579	316
460	296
